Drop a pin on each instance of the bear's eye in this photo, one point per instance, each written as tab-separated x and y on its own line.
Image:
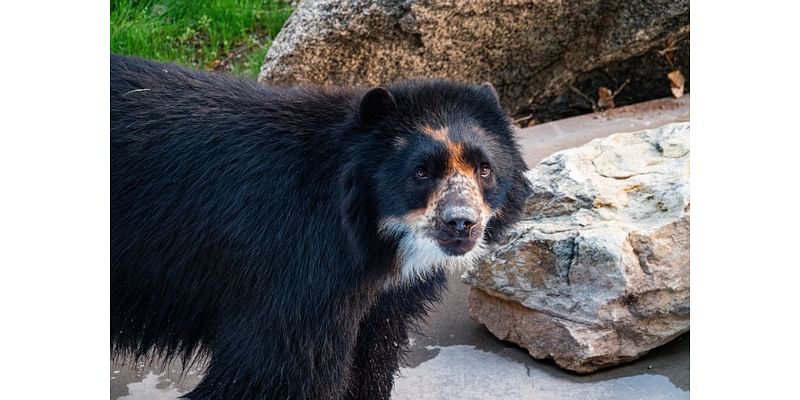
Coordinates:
421	173
485	170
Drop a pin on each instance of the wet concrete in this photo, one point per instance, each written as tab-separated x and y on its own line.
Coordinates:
464	372
451	325
455	357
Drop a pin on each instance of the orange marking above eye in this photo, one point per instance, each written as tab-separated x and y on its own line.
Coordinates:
457	162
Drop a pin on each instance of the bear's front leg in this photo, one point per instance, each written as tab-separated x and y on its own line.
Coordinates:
298	357
383	336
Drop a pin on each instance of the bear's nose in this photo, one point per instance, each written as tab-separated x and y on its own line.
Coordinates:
460	224
460	219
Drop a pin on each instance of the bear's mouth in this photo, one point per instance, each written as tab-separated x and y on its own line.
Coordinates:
457	246
458	243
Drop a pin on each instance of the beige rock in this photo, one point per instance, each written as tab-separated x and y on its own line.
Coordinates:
531	50
598	272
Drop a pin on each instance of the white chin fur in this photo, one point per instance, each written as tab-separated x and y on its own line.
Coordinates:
419	256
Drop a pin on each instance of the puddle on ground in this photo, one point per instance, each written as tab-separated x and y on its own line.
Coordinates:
466	373
153	387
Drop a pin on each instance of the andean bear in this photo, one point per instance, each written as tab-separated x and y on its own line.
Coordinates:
293	236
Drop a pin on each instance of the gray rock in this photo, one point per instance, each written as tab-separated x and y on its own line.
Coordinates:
531	50
598	272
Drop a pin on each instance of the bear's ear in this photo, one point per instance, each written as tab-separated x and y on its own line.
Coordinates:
489	89
375	105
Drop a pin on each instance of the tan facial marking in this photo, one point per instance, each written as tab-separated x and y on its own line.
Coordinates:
419	231
441	134
459	179
458	163
460	189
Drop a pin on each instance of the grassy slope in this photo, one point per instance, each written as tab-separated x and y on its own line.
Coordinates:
228	35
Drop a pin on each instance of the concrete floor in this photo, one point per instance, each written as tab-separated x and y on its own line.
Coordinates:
477	365
457	358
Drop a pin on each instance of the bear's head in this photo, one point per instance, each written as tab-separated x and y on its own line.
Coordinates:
449	179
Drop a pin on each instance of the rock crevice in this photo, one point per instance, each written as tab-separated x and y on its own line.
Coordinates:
531	50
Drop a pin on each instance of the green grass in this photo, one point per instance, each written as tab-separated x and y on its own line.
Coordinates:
227	35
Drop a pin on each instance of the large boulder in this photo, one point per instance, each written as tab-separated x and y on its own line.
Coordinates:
531	50
598	272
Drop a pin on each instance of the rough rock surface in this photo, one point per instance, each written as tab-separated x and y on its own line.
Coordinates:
531	50
598	272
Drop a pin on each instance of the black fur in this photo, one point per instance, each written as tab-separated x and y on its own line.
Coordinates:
244	225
